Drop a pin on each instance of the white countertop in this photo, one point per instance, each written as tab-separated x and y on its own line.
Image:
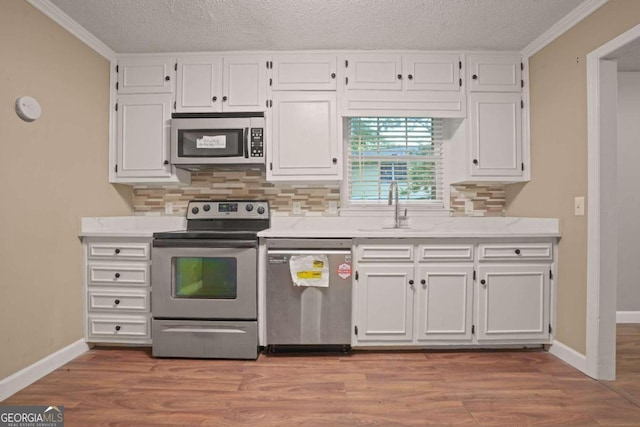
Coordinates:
433	227
129	226
340	227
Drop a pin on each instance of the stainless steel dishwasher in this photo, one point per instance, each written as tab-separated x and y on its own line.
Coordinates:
315	318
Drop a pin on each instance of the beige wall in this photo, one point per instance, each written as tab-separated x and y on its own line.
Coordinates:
558	80
53	171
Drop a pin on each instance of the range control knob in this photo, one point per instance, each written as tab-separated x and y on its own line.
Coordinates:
206	208
249	207
195	210
260	210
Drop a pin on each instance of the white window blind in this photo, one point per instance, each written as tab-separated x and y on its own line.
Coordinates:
407	150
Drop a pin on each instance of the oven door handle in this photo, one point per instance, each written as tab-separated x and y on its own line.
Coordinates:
203	243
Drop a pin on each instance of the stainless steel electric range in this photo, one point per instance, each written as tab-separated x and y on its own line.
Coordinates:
204	282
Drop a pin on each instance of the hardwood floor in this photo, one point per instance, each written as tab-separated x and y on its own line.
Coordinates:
127	387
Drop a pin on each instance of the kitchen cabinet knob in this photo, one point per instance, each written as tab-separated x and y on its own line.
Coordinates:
333	75
399	76
214	99
166	162
475	161
335	161
410	76
224	98
483	282
424	282
517	251
116	302
117	275
117	251
117	327
167	78
411	282
474	77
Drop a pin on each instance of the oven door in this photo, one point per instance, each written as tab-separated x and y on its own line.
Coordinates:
215	280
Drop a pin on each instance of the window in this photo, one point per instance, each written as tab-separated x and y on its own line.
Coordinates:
407	150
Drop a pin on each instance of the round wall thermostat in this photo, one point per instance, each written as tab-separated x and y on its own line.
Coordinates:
28	108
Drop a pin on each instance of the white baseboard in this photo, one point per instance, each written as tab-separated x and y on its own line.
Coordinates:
627	316
569	355
32	373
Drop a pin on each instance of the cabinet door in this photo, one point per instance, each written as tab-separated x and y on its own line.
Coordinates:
513	302
244	84
304	139
304	72
385	303
145	75
432	72
143	136
495	73
373	72
445	296
496	134
199	88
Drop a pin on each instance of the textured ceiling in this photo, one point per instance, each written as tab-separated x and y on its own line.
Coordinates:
133	26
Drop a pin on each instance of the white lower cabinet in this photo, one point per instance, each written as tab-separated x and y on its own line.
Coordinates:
117	290
452	293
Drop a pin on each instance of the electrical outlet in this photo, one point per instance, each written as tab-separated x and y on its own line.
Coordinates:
468	207
578	206
333	207
168	208
296	208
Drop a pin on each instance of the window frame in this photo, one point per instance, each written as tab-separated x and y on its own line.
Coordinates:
414	207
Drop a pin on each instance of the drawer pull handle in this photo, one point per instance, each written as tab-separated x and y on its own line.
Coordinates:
117	275
410	282
517	251
118	328
116	302
483	283
117	251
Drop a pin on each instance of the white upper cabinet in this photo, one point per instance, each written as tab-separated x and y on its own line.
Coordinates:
145	75
143	136
304	137
304	72
373	71
211	84
495	73
495	122
432	72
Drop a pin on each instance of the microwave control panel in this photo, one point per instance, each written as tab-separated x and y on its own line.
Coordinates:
257	142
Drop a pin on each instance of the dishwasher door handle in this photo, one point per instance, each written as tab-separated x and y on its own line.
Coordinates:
308	252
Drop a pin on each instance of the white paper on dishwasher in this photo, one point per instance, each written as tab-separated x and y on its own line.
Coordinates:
310	270
216	141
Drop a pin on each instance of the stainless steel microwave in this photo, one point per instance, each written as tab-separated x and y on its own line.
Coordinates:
210	139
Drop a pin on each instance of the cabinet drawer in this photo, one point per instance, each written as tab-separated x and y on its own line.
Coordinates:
105	327
386	253
462	252
114	251
515	251
117	301
118	274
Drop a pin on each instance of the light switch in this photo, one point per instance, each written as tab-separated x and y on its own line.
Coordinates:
168	208
468	207
333	207
296	208
578	206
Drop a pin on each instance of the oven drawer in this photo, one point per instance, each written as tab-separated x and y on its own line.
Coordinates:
118	301
115	251
205	339
118	274
117	328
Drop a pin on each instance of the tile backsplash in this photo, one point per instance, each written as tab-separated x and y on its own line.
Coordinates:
236	183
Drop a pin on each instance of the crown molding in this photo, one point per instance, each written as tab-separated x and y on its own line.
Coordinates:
562	26
81	33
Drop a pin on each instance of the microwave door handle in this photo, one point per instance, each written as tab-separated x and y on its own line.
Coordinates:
246	143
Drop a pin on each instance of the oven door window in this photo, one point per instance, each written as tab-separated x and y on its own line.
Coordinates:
205	278
211	142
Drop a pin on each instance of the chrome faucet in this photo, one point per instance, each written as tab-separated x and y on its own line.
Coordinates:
392	186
